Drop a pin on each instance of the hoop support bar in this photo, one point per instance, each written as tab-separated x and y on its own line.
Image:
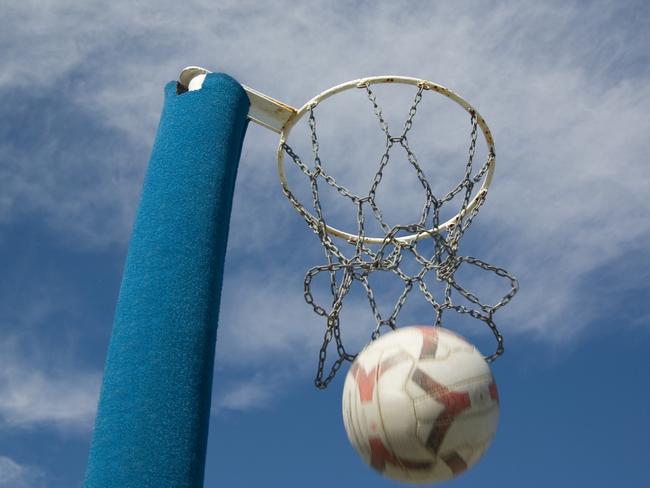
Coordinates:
264	110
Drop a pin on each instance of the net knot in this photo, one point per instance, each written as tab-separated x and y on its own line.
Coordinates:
445	271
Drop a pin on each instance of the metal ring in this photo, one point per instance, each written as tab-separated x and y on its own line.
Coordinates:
428	85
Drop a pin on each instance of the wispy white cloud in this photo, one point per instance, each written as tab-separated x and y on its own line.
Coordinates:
43	384
59	397
254	393
15	475
264	316
262	321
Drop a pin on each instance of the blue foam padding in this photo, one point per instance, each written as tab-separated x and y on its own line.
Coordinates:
152	422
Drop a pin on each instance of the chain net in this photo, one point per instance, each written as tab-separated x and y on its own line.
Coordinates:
444	261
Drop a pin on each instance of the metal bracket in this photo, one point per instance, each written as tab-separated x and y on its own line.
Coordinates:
264	110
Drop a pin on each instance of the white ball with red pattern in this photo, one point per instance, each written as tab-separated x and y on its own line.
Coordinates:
420	404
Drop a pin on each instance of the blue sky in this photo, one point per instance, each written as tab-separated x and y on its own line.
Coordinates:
564	88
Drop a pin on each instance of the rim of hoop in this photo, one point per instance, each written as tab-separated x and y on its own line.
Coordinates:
361	83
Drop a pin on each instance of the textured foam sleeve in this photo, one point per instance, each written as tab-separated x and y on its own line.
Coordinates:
152	422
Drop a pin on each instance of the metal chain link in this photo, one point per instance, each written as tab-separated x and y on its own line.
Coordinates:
443	263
